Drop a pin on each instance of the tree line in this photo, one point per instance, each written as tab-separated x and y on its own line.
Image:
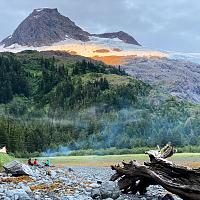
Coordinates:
46	103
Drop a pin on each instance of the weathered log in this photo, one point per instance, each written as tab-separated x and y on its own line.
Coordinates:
134	177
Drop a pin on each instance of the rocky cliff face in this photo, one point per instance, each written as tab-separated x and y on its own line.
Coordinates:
177	77
46	26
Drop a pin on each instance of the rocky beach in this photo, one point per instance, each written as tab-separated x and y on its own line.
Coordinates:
68	183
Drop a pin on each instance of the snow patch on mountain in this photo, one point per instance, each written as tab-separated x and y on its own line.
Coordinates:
39	10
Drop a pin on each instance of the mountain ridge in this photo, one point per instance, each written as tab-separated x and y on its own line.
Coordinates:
46	26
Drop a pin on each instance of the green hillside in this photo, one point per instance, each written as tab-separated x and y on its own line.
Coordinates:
50	99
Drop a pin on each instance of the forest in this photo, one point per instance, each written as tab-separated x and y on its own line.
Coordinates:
49	101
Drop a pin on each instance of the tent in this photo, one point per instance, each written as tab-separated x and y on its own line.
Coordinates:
3	150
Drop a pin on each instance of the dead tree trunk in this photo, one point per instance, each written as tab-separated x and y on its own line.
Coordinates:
134	177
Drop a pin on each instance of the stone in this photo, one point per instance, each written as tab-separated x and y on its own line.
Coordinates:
70	170
37	197
20	193
18	169
109	190
26	189
167	197
53	174
94	185
95	193
1	190
6	198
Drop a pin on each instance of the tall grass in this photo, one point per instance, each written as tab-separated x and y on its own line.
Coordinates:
4	158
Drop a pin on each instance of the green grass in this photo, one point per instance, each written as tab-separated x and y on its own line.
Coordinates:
186	159
4	158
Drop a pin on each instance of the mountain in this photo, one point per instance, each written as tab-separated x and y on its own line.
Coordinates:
44	27
47	30
47	99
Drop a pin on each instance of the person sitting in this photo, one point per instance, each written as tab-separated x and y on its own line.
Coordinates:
35	162
30	162
47	163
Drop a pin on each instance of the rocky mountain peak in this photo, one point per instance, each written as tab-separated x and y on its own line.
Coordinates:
45	26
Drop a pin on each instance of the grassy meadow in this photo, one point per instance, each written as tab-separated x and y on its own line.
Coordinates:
186	159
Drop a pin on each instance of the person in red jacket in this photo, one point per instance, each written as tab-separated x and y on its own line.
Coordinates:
35	162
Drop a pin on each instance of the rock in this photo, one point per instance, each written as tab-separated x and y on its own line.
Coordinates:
70	170
94	185
26	189
37	197
1	190
167	197
63	179
95	193
18	169
109	190
19	193
6	198
106	190
53	174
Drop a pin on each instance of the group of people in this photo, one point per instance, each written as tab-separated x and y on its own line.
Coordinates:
45	163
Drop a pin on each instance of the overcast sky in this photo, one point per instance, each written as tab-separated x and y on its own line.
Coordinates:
161	24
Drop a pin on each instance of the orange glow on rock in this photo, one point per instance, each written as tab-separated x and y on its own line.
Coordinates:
101	51
112	60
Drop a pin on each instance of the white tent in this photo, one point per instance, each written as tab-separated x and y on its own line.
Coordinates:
3	150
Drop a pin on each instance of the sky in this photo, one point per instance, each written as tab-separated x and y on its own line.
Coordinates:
172	25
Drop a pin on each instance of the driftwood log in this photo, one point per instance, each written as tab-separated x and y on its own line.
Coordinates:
133	177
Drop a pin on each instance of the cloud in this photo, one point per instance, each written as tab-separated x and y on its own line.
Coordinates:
170	25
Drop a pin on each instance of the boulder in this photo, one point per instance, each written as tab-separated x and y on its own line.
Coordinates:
109	190
18	169
106	190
